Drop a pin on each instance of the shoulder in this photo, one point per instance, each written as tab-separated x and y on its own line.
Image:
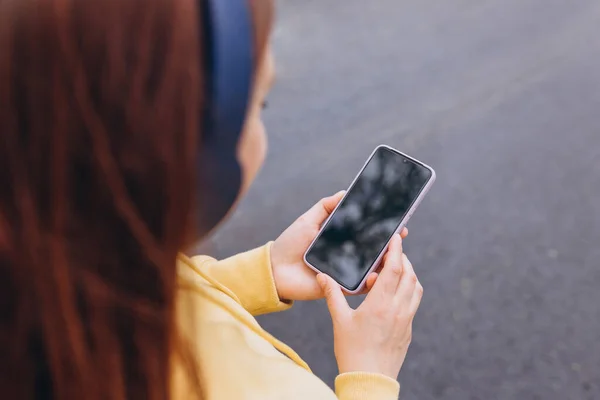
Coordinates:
199	296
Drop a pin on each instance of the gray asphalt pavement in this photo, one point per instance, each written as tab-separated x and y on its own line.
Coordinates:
502	97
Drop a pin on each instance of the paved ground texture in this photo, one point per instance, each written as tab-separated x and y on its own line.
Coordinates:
502	97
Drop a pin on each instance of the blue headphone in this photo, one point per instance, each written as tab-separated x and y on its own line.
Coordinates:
230	67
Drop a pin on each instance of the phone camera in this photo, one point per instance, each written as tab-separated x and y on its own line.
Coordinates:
404	160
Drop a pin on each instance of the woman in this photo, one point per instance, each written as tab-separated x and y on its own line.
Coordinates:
99	139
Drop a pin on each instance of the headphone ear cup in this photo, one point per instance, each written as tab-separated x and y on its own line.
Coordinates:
230	55
219	186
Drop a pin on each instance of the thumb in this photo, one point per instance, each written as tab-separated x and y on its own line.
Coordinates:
321	211
336	301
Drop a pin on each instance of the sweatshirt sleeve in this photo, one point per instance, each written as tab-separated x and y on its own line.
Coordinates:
366	386
248	277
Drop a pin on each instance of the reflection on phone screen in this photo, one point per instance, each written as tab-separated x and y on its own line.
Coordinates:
368	216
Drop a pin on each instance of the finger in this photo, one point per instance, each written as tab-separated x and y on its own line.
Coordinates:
384	260
369	282
390	275
371	279
320	211
416	298
408	282
336	302
379	267
331	202
404	233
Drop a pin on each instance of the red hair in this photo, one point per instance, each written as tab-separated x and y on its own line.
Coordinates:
99	131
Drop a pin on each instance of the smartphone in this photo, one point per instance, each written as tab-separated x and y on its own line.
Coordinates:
378	204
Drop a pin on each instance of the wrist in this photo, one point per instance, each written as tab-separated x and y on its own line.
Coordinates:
275	272
278	286
363	363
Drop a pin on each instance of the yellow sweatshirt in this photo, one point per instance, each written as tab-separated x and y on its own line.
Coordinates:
216	305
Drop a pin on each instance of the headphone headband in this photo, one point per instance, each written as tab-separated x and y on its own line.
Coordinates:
230	67
230	57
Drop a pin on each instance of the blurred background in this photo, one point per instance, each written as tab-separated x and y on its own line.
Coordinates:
502	98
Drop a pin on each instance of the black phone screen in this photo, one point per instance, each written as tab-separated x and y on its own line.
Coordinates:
370	213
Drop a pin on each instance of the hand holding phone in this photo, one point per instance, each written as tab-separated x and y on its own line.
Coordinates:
375	337
379	203
293	279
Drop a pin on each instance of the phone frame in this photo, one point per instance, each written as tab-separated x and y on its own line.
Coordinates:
403	222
